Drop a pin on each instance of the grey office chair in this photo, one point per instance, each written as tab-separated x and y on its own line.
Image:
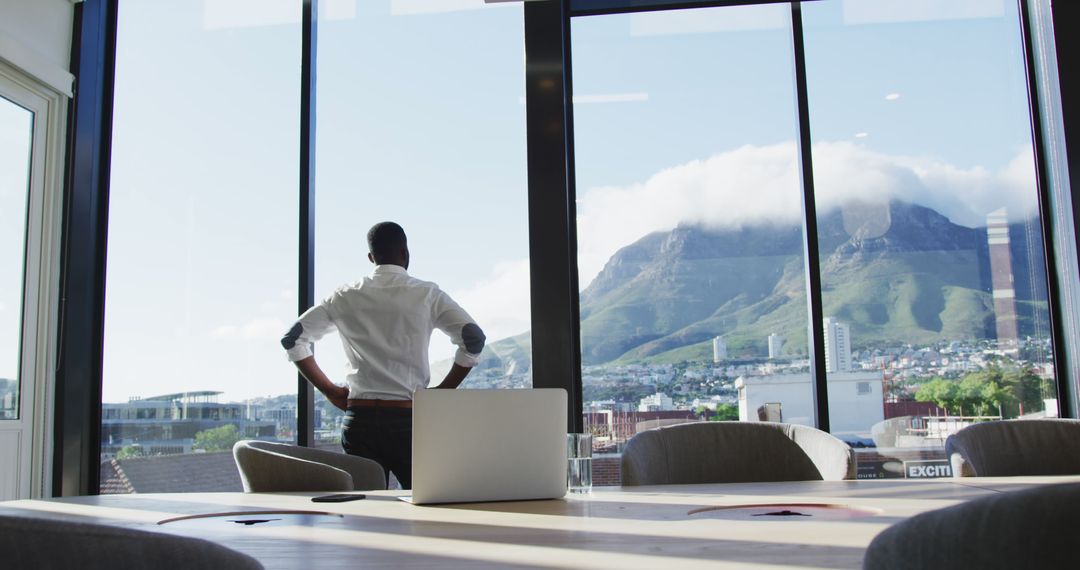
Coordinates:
1016	447
268	467
1033	528
734	452
27	542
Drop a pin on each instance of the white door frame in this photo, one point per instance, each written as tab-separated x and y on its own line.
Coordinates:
37	360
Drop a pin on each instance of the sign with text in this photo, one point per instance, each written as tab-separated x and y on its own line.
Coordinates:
927	469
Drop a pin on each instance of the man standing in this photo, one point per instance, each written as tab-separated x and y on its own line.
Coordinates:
385	323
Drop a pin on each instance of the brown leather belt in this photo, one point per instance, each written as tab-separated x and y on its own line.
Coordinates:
380	403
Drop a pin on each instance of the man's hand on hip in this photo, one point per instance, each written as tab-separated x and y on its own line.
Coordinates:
454	377
339	397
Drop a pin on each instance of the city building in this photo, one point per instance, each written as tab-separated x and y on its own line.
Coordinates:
837	346
656	403
9	403
168	424
1001	276
855	400
719	350
776	346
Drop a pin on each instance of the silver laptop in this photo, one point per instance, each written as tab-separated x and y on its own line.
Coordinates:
488	445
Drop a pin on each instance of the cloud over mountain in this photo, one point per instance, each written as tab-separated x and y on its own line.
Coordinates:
752	184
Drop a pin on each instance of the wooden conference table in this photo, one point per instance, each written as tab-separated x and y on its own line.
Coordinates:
828	524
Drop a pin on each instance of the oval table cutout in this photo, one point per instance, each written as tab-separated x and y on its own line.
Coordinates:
787	511
254	518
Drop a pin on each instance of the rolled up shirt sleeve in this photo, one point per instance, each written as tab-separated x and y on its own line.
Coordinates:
463	331
314	324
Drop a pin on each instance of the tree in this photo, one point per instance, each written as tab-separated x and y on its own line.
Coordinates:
939	391
129	451
994	390
217	439
725	412
980	392
1026	389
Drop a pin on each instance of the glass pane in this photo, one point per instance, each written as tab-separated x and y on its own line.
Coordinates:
934	285
690	249
422	122
16	138
202	263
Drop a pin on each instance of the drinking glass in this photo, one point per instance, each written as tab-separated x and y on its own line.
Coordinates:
579	462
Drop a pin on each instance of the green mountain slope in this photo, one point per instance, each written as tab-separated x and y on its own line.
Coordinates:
922	280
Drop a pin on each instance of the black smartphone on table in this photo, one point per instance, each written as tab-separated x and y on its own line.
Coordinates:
338	498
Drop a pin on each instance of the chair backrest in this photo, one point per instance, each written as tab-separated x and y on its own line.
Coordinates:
1032	528
27	542
268	467
734	452
1049	446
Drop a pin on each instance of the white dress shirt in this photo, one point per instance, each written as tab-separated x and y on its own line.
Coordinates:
385	323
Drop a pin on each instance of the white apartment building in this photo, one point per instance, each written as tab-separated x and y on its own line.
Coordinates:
719	350
658	402
776	346
837	346
855	400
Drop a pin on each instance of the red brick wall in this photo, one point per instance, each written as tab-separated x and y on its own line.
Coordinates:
606	470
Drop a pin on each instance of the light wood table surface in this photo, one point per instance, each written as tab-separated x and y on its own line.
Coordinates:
828	524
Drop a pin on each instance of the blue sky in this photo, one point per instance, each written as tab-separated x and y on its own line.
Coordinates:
682	116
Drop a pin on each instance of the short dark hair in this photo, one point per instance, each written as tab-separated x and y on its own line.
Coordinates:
385	239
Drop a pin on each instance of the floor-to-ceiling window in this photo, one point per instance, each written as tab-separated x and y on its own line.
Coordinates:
421	121
690	216
934	283
201	279
690	241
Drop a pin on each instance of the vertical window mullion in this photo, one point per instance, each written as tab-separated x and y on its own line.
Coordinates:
305	394
816	333
77	427
553	269
1061	353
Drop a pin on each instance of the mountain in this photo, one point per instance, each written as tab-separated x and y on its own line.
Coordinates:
509	356
896	273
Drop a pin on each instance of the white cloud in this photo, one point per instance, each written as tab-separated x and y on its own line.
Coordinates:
500	300
754	184
746	185
892	96
225	331
257	329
